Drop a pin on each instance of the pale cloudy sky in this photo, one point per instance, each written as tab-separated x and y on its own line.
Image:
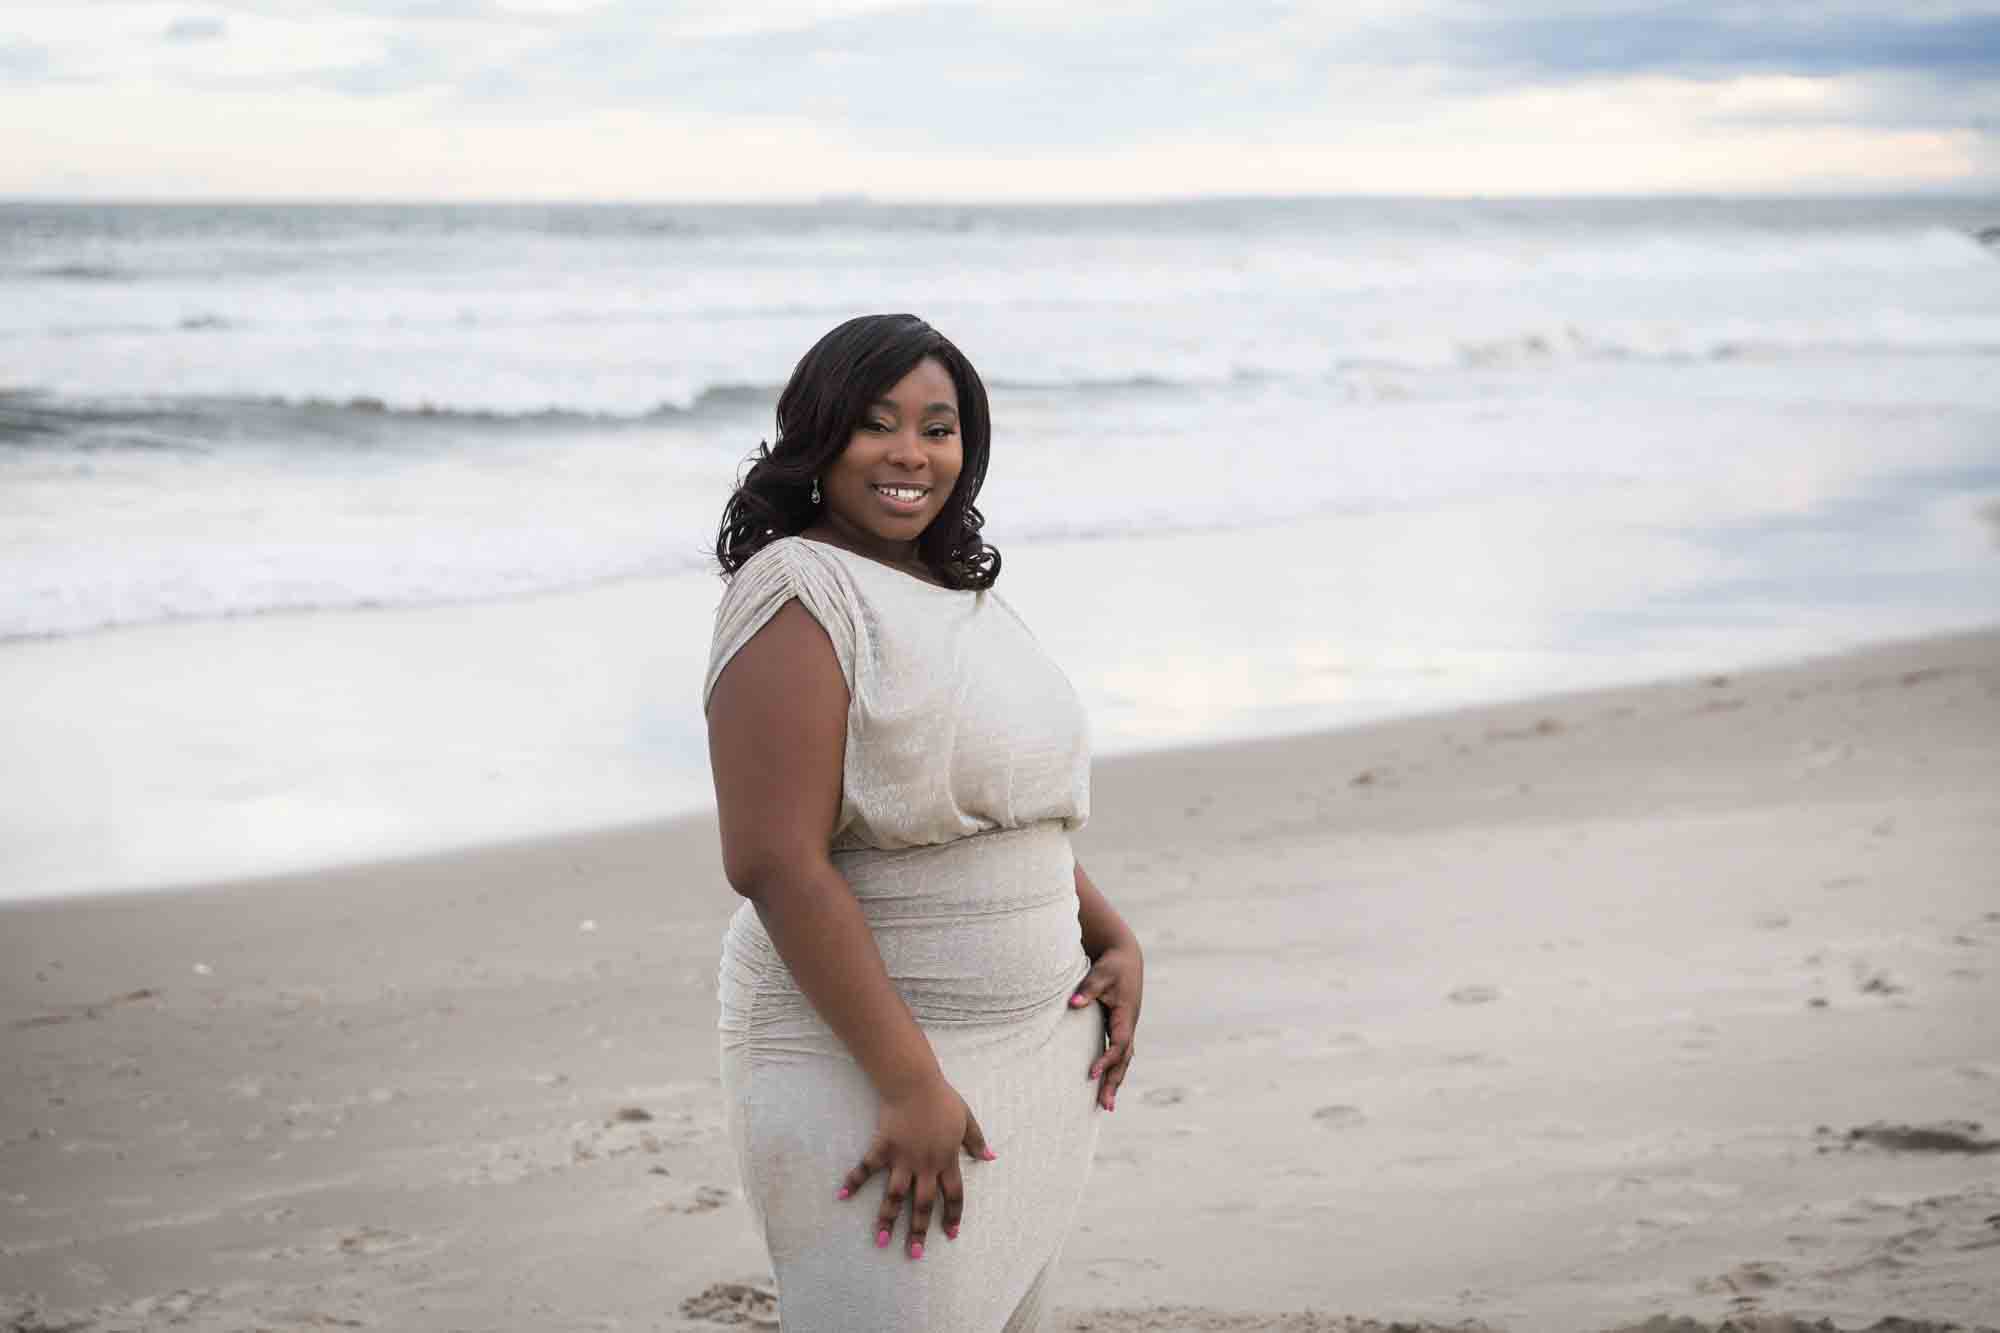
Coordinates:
986	99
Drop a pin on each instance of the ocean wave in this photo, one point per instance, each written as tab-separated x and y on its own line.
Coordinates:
74	272
197	423
1335	246
715	399
1095	383
31	416
1531	349
1433	359
1977	337
33	420
1412	361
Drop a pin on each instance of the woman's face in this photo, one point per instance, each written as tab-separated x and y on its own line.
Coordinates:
899	466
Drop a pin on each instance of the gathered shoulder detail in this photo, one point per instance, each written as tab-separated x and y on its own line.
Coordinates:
789	569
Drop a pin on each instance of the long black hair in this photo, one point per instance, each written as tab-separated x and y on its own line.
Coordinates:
830	392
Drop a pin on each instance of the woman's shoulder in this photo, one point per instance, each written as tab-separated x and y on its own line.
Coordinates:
779	554
787	567
784	570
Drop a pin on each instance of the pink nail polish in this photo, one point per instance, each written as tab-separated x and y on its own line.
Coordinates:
989	1156
917	1250
882	1239
1077	1001
951	1233
842	1193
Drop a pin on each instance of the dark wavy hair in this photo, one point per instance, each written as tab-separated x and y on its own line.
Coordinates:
824	403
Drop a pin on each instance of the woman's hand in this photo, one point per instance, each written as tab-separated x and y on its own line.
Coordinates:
918	1136
1117	981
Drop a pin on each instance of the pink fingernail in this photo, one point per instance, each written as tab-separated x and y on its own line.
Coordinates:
990	1156
951	1233
917	1250
843	1192
1077	1001
882	1239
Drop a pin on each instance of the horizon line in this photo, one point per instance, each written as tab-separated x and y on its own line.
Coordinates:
854	200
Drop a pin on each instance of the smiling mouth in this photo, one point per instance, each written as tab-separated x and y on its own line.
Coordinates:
903	494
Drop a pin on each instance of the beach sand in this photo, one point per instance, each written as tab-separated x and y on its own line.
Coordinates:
1560	1015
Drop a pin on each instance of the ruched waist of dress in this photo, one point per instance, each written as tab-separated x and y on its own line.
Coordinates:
981	929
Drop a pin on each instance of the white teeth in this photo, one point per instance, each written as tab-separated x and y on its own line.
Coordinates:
906	493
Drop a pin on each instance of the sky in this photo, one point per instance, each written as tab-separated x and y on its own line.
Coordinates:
988	100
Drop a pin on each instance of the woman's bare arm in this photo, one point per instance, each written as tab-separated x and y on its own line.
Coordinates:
1117	980
777	739
1103	928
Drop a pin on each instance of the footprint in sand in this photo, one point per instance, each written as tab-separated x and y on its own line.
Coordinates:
1944	1136
1473	1060
180	1306
1164	1096
751	1304
371	1241
1340	1117
1744	1284
1871	980
705	1199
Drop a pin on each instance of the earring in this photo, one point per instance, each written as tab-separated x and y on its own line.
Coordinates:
815	493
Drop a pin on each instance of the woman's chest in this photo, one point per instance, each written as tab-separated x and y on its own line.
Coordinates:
965	661
953	692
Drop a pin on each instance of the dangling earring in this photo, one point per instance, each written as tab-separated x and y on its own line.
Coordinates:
815	493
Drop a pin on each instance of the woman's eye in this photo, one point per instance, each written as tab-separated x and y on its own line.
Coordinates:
940	432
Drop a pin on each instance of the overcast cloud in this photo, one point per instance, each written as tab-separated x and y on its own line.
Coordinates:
619	99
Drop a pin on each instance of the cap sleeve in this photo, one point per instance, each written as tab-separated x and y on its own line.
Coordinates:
784	571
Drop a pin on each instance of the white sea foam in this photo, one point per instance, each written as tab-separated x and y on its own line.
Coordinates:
217	413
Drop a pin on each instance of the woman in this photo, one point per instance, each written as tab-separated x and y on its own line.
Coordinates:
917	992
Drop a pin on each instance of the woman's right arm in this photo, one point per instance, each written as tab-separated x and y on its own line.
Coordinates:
777	741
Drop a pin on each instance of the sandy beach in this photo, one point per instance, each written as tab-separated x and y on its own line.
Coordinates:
1559	1015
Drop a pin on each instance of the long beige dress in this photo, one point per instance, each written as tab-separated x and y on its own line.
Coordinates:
967	766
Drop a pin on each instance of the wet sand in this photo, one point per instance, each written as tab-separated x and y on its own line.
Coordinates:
1561	1015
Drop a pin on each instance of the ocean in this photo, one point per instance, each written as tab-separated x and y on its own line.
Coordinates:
331	532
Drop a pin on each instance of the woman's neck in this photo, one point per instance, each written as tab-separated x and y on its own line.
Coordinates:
900	556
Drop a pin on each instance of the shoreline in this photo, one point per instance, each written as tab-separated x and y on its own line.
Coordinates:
265	744
1551	1015
1228	750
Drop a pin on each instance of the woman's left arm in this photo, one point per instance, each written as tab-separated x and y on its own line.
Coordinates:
1117	981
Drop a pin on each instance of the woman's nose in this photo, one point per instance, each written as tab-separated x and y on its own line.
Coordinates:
905	450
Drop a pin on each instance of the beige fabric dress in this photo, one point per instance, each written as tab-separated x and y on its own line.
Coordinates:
967	767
